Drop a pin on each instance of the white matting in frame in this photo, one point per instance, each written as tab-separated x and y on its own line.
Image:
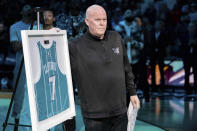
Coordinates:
49	80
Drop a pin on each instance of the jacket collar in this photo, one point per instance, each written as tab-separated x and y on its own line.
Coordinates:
90	36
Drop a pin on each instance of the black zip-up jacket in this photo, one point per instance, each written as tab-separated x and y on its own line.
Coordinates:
102	73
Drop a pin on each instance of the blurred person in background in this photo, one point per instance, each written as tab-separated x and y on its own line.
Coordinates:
159	40
73	21
128	26
192	27
183	36
15	39
116	18
4	39
140	57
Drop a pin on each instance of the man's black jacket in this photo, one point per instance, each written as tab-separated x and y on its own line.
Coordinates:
102	73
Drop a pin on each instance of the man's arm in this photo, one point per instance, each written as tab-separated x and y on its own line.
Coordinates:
14	40
129	79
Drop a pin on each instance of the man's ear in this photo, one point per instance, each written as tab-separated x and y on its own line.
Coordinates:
86	21
54	19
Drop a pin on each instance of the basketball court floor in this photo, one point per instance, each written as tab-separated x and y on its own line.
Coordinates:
163	112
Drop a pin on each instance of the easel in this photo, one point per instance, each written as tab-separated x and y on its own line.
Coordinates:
16	124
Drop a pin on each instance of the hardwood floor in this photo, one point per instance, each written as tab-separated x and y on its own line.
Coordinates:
170	112
165	111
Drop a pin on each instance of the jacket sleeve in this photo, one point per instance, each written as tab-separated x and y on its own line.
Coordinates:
129	76
73	64
72	54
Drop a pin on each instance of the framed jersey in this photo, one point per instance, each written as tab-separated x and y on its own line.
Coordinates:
49	80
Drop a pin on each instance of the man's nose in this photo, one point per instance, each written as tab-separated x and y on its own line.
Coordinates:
102	22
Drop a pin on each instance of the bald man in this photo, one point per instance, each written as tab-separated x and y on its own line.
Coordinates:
102	72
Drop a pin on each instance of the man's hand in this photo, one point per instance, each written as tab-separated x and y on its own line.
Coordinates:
135	101
56	29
